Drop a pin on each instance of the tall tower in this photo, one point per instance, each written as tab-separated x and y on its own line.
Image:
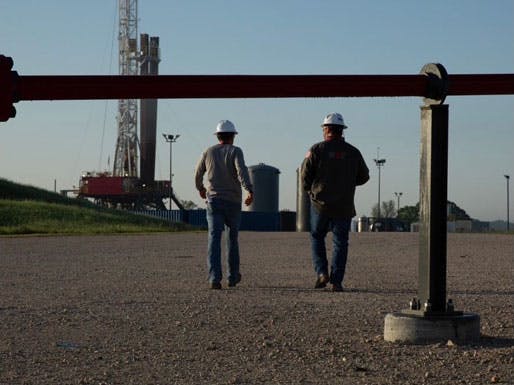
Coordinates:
149	60
125	158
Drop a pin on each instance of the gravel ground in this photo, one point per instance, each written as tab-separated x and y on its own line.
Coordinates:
136	309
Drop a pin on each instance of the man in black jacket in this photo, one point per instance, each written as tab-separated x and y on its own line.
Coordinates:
330	172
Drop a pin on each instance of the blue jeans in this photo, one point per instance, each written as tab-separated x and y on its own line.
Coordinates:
321	223
220	213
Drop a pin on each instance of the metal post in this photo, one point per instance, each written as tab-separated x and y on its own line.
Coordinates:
398	195
378	202
170	138
433	201
430	317
171	173
379	162
507	177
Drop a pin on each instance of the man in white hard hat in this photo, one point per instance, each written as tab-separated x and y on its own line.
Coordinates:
226	173
330	172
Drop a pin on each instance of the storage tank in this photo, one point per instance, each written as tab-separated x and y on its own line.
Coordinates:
303	205
265	187
287	220
362	224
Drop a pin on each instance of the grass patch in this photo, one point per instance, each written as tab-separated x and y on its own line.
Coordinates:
30	217
30	210
19	192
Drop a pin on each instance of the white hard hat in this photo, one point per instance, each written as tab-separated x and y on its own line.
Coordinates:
225	126
334	119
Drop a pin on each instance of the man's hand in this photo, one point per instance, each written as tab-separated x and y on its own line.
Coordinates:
249	199
203	193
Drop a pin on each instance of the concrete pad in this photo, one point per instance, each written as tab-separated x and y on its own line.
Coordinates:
462	329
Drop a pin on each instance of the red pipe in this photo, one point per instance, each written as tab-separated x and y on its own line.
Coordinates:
217	86
251	86
490	84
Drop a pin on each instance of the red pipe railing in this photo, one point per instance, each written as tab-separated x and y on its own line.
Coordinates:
437	84
251	86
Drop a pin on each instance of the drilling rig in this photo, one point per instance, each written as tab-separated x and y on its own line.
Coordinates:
125	187
125	159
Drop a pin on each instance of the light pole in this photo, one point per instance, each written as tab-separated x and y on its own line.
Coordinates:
398	195
379	162
170	138
507	177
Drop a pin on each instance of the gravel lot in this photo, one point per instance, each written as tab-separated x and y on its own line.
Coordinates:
136	309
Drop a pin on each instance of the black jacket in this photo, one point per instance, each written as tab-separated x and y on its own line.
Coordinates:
330	173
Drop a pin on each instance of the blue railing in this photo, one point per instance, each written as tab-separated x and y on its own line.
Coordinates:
250	220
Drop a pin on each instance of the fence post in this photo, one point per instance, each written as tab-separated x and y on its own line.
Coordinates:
433	201
430	318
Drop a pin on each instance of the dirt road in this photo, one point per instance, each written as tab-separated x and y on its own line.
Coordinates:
136	309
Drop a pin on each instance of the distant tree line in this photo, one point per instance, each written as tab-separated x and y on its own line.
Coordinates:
387	210
410	214
189	205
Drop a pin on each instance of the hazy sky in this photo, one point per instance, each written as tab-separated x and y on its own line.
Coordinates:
50	141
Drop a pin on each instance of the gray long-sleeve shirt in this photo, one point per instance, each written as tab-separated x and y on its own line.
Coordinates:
226	172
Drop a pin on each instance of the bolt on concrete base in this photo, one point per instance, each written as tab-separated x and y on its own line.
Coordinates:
462	329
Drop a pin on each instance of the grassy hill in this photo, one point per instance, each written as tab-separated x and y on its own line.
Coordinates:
30	210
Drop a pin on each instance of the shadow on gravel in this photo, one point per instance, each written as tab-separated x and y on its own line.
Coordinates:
495	342
291	288
482	292
381	291
385	291
328	289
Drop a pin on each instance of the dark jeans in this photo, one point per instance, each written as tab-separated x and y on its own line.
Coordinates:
321	224
221	213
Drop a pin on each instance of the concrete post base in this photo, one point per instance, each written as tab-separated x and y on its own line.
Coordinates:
462	329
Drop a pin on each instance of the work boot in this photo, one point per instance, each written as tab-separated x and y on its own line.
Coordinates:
322	281
337	287
232	283
215	285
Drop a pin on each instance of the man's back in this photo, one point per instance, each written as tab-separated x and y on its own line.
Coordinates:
226	170
331	172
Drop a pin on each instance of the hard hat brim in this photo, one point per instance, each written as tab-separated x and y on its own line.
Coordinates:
225	132
338	125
